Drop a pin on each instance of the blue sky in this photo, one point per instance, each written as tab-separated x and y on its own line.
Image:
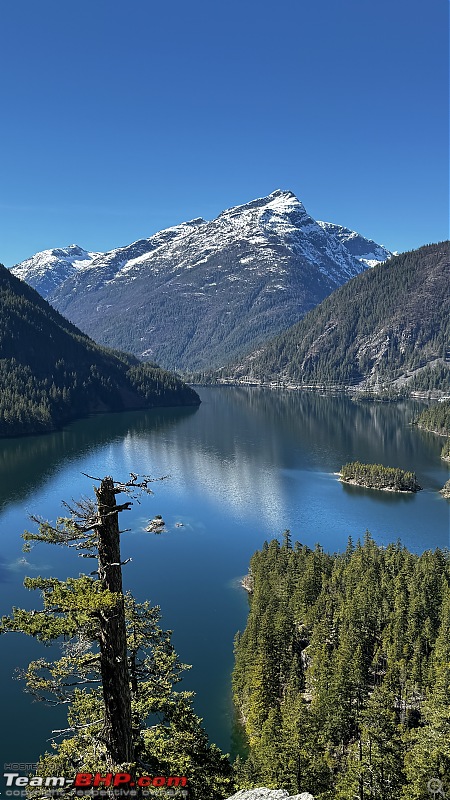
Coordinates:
119	119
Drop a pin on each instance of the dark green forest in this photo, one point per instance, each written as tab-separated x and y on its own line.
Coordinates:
391	322
342	674
376	476
436	418
51	373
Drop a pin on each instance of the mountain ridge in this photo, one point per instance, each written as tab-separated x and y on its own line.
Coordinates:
197	294
389	326
52	373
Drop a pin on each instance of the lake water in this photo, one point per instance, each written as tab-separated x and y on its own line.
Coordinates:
244	466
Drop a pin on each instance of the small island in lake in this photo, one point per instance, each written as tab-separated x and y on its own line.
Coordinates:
156	525
376	476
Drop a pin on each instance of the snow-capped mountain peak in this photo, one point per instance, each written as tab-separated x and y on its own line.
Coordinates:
199	293
46	270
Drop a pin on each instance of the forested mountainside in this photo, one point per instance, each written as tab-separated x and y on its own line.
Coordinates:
51	373
202	293
342	675
388	326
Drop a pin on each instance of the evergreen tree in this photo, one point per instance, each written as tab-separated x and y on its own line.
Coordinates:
342	674
374	762
118	667
428	759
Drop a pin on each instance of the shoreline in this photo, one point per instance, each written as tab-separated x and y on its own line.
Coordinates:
352	482
430	430
366	393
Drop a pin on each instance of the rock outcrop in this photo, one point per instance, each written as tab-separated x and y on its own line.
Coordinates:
261	793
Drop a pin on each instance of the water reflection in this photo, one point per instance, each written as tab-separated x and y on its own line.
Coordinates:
26	463
245	465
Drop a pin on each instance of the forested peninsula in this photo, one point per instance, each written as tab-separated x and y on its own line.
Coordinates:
52	373
436	419
376	476
342	675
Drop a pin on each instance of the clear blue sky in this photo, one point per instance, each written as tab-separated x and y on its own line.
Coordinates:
122	118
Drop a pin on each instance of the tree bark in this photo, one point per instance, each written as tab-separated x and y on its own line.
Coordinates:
117	730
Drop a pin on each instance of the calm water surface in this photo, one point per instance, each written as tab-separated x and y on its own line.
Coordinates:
243	467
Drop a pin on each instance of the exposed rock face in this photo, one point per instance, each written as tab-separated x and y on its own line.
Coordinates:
387	327
445	491
365	249
247	583
199	294
269	794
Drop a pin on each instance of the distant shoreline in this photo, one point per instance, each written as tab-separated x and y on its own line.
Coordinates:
367	393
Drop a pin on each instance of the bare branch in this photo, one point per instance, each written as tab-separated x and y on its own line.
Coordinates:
123	507
75	728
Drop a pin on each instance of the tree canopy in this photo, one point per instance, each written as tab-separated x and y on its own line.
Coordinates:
342	675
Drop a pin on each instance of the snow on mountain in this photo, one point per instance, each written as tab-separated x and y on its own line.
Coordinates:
48	269
200	293
365	250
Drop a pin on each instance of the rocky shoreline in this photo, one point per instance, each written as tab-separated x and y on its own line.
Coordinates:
261	793
366	392
445	491
353	482
247	583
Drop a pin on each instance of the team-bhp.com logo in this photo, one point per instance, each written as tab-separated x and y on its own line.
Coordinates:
88	782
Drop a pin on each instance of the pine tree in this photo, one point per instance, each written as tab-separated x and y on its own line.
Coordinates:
353	652
374	761
287	540
429	757
118	667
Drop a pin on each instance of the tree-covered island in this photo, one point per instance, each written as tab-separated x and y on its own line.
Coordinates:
376	476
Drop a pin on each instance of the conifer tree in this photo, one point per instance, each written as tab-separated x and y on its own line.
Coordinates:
428	760
342	674
118	667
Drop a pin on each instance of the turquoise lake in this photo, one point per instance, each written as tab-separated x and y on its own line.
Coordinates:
244	466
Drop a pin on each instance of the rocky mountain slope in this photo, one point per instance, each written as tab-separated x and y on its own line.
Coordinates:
389	326
46	271
364	249
51	373
202	293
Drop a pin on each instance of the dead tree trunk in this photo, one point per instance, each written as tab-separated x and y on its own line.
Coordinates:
117	731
